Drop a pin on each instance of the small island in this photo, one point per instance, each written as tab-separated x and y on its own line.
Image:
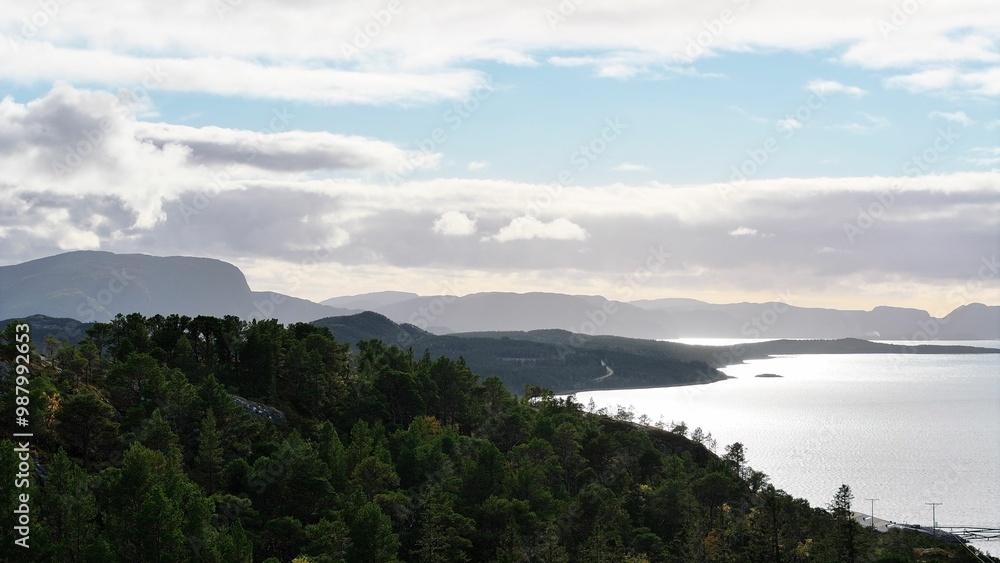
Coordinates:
768	375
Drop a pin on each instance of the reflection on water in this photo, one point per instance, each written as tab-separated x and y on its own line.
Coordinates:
903	428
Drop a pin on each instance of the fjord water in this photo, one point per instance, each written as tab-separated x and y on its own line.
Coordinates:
903	428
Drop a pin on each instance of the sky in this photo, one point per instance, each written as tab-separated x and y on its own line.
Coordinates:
842	155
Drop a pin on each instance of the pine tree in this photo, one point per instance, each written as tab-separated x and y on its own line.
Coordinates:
69	509
844	522
86	424
372	536
443	533
209	459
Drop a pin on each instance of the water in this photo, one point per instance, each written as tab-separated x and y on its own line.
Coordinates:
903	428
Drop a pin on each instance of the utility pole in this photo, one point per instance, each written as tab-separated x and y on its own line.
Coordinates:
873	511
934	506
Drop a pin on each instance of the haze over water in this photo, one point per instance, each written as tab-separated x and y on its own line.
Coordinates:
906	429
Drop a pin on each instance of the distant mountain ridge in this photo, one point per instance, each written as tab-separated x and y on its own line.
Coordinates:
684	318
95	286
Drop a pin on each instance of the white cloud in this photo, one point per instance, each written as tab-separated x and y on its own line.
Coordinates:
477	165
527	227
631	167
316	52
83	143
788	124
954	117
743	232
991	125
950	81
38	62
869	124
455	224
832	87
984	156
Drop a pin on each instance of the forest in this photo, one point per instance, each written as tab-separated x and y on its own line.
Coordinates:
172	439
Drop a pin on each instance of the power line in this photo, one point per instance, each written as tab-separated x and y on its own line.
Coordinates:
873	511
934	506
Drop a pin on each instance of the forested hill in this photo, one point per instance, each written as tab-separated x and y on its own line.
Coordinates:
148	443
562	361
556	359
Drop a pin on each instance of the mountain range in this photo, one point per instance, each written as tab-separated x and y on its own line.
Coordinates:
671	318
95	286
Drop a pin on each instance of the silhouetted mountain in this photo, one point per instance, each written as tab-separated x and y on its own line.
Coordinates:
684	318
95	286
970	322
369	301
526	311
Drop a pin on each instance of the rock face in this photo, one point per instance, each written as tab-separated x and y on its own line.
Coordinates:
94	286
259	411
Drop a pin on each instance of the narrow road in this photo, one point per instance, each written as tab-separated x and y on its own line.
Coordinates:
607	375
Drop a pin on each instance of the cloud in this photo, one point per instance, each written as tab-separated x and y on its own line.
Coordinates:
954	117
526	228
985	156
38	62
833	87
631	167
933	233
949	81
77	142
477	165
284	151
743	232
788	124
454	223
869	124
363	54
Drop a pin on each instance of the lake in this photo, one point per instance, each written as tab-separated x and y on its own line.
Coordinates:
905	429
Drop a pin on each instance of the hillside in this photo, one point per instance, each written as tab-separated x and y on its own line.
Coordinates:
201	440
560	364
